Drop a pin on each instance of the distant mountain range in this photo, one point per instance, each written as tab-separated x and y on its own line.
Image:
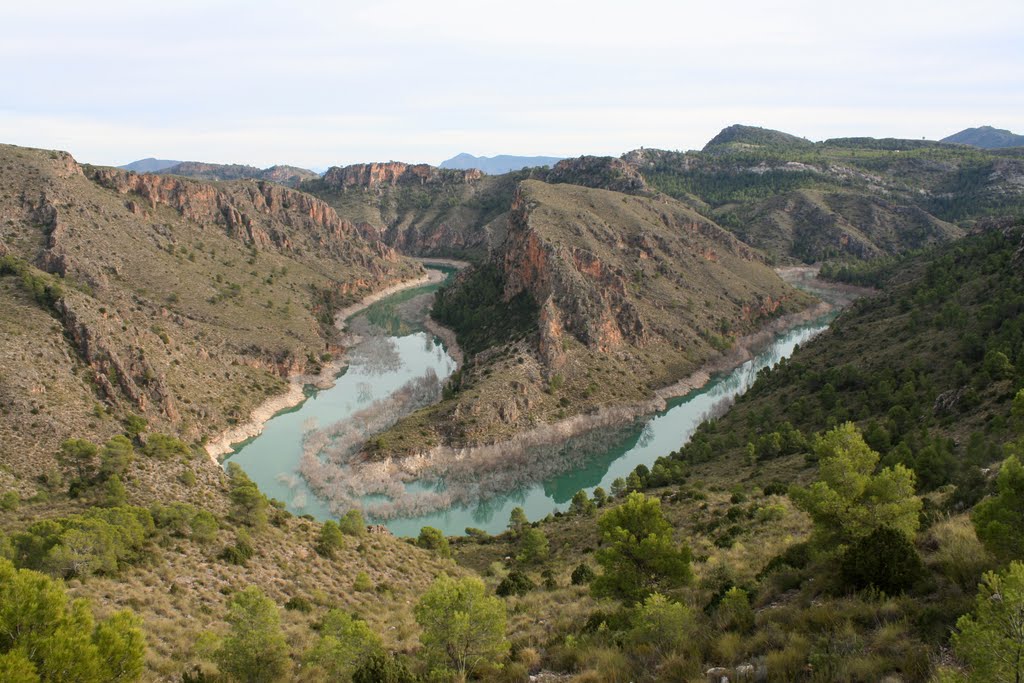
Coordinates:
149	165
503	163
986	137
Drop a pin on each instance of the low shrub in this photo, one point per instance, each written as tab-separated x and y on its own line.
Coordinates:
516	583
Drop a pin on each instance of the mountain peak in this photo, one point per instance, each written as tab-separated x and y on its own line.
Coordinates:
986	137
149	165
753	136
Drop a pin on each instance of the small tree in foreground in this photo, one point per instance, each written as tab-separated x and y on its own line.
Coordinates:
850	501
79	455
991	639
517	521
115	493
1017	410
116	456
44	636
734	612
331	539
639	556
463	627
255	650
533	547
352	523
431	538
999	520
663	626
581	504
345	644
248	505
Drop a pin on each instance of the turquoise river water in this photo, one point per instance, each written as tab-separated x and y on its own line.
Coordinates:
272	458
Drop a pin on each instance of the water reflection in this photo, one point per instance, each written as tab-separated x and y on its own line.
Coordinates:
540	480
602	456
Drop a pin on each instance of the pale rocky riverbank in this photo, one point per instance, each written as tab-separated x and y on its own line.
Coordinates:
294	394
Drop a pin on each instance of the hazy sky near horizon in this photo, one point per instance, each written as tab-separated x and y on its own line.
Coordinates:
317	83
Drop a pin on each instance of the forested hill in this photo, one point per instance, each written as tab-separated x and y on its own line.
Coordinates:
927	369
842	199
987	137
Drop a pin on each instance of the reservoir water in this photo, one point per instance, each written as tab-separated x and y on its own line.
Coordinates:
403	351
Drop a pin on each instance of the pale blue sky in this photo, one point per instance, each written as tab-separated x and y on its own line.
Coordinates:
324	83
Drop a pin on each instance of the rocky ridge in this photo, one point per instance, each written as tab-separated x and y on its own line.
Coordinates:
374	176
421	210
291	176
180	301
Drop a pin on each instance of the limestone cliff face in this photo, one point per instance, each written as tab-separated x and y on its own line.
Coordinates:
610	270
441	238
420	209
578	293
263	214
377	175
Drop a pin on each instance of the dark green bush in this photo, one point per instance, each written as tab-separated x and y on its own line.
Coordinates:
164	447
331	539
240	552
299	604
432	539
383	667
516	583
885	559
582	574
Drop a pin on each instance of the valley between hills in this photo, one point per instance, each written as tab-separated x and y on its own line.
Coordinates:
830	520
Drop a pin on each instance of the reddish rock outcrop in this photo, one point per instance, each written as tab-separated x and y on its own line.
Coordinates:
577	292
119	370
605	173
392	173
263	214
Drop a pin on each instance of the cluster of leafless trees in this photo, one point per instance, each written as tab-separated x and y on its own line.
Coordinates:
333	465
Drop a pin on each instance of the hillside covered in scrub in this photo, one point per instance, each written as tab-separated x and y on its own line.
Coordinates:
181	303
838	520
850	518
291	176
610	298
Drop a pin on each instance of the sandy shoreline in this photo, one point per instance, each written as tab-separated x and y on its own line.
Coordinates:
447	336
294	394
367	301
